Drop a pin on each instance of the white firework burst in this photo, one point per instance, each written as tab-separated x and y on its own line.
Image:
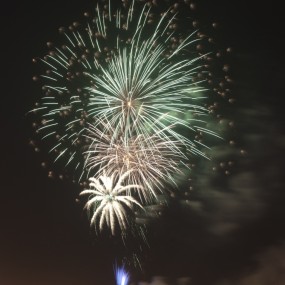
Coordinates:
152	160
109	200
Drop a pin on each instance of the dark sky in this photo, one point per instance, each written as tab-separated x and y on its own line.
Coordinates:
232	233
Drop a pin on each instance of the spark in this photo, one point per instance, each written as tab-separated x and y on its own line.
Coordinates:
122	276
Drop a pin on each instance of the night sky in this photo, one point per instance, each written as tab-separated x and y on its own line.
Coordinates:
233	231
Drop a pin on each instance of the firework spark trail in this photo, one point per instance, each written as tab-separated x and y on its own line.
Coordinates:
124	103
122	276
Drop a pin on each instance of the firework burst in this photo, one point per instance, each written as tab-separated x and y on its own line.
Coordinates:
151	159
109	200
124	105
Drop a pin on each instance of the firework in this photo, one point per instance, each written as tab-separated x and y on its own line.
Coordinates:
151	159
137	84
124	106
122	277
108	199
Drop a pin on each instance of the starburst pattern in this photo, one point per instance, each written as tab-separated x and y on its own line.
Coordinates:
140	86
151	159
109	200
124	104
